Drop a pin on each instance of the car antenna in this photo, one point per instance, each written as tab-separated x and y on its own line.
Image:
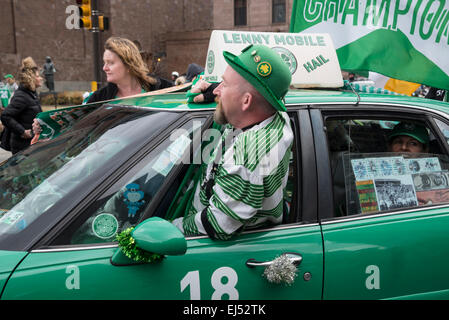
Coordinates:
356	93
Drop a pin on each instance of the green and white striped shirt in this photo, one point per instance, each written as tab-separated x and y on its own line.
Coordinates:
249	180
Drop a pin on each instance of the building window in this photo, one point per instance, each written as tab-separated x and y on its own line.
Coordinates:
240	12
279	11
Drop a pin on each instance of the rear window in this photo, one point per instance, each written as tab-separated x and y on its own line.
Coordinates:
380	165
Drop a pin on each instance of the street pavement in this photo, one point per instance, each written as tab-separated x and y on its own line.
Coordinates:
4	155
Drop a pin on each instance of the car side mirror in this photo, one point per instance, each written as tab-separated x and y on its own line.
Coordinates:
154	235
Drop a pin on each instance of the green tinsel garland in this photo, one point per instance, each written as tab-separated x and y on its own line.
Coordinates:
128	246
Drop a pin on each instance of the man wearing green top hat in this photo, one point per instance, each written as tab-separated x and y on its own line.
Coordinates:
242	185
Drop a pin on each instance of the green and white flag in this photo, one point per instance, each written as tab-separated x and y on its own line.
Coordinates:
55	122
402	39
5	96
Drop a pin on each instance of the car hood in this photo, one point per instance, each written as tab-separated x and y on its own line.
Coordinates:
8	262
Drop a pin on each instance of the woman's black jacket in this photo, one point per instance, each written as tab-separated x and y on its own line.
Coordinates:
18	116
109	91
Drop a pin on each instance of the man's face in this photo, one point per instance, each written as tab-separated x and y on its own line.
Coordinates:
229	93
9	81
406	144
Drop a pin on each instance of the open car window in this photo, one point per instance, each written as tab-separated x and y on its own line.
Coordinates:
124	204
370	175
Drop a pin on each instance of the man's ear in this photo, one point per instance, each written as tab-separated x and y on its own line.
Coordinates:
247	100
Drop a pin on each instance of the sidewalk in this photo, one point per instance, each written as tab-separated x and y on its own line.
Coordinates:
4	155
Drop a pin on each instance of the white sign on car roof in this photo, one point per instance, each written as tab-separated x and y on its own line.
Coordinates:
311	58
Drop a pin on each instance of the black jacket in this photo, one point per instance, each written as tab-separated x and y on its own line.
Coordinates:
106	93
109	92
435	93
19	116
193	70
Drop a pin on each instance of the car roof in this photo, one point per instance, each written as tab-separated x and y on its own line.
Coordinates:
178	100
338	96
172	101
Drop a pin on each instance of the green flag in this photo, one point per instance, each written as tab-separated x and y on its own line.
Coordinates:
402	39
55	122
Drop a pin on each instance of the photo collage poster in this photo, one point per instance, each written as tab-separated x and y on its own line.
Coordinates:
386	183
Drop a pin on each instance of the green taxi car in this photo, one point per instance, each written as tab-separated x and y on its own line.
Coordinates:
360	222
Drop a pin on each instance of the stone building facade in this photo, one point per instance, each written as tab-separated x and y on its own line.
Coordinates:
173	33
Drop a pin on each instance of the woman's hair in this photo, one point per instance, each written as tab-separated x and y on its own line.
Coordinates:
27	73
129	54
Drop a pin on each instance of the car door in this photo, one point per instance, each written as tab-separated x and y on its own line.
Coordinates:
8	262
389	254
209	269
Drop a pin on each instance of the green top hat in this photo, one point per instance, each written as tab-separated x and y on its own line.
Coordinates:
9	76
265	70
416	131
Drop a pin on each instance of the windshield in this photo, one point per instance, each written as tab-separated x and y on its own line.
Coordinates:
32	181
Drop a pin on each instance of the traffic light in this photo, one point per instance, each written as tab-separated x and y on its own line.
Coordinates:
103	23
85	10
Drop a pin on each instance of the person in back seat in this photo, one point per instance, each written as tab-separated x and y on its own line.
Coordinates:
408	137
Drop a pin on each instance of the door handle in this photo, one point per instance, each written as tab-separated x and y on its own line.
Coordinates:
295	258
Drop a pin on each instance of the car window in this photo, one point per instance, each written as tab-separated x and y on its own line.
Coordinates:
123	205
185	191
444	127
379	165
34	180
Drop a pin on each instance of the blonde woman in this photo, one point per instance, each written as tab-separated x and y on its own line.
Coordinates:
126	72
23	107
